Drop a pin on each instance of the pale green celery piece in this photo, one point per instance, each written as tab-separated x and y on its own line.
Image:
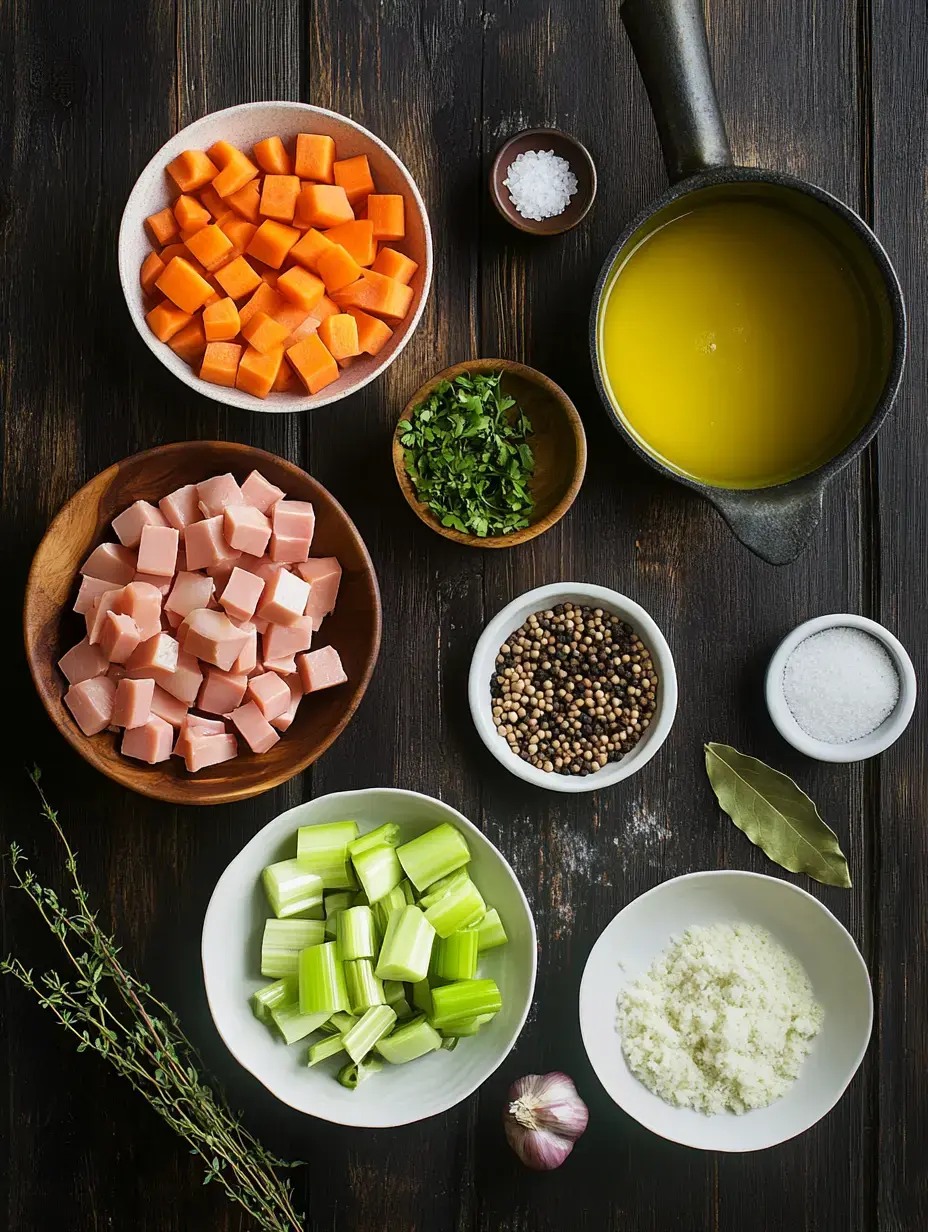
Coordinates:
458	909
406	887
407	946
335	904
282	943
408	1042
322	980
364	988
378	870
433	855
294	1025
290	889
388	833
393	991
385	907
457	956
402	1008
422	996
360	900
464	999
465	1026
449	1042
490	931
444	886
323	850
273	995
311	913
325	1048
372	1026
352	1075
339	1023
355	933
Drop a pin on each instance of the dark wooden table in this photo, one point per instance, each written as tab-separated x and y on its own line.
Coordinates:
834	92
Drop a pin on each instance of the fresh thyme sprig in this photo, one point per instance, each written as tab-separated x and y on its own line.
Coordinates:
108	1010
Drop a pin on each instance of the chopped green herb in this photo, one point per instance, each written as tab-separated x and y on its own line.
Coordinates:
468	456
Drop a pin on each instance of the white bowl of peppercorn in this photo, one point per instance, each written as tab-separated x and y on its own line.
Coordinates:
572	687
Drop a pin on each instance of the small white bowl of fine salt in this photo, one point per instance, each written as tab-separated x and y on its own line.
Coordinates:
543	181
840	688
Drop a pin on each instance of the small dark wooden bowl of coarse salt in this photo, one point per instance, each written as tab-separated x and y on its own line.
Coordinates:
532	160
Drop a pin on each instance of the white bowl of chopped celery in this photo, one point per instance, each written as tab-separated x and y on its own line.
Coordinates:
369	956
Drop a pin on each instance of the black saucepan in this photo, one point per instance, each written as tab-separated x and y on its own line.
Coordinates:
669	41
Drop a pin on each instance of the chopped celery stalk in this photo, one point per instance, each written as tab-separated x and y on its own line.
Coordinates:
362	1037
352	1075
402	1008
272	995
422	996
323	850
463	999
322	981
449	1042
456	910
466	1026
364	988
433	855
290	889
325	1048
282	942
388	833
406	887
335	904
393	991
407	946
490	931
355	933
316	912
378	870
339	1023
385	907
360	900
444	886
293	1025
408	1042
457	956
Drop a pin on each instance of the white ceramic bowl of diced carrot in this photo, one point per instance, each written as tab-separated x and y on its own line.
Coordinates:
275	256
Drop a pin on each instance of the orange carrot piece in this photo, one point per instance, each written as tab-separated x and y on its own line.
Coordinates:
270	277
271	242
340	335
309	325
165	320
151	271
384	297
238	278
325	308
211	246
239	232
278	197
323	205
395	264
220	363
183	286
190	342
286	381
354	175
264	333
357	238
271	156
265	299
235	169
291	316
257	371
387	213
307	249
190	214
313	364
315	156
337	268
162	226
245	202
301	287
220	321
373	335
191	170
214	203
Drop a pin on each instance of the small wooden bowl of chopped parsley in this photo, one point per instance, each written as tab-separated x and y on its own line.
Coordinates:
490	453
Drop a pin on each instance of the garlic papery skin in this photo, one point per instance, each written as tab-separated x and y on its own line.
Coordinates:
543	1118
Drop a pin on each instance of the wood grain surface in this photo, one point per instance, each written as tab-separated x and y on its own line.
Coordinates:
832	92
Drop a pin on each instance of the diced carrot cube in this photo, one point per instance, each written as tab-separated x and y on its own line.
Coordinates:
308	248
221	321
325	308
151	271
162	226
220	363
271	242
354	175
271	156
238	278
393	264
309	325
245	202
235	169
340	335
190	214
191	170
301	287
387	213
315	156
257	371
264	333
373	335
214	203
211	246
186	232
286	381
291	317
270	277
165	320
313	363
357	238
323	205
181	283
265	299
384	297
337	268
278	197
190	342
239	232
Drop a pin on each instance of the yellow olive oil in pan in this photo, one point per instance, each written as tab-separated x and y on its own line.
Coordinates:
736	342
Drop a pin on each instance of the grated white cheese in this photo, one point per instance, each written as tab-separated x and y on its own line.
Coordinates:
721	1021
540	184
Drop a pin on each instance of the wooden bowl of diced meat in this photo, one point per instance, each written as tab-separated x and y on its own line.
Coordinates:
201	621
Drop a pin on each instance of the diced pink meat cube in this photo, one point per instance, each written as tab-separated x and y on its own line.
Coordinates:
293	519
83	662
254	728
116	672
248	658
288	550
180	508
151	742
102	606
241	594
285	641
221	692
91	704
184	682
210	727
205	544
217	493
324	575
142	602
283	666
260	492
284	599
283	721
212	637
91	588
161	583
270	694
320	669
262	566
166	707
246	529
119	637
158	550
204	750
128	525
110	562
159	652
190	591
132	704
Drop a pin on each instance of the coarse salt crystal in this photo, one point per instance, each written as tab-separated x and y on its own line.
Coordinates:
540	184
840	685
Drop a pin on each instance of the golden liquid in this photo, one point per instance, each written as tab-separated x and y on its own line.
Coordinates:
735	339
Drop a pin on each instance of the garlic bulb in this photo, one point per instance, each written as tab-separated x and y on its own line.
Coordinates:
543	1118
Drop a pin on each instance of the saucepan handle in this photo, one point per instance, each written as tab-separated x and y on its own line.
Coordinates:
668	38
775	524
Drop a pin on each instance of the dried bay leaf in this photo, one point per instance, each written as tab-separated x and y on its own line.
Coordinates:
776	815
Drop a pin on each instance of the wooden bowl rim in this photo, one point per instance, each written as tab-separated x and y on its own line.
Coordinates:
186	790
561	399
541	227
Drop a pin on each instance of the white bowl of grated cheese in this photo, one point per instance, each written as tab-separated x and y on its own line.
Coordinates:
797	922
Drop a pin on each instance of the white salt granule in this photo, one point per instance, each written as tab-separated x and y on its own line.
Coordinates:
540	184
721	1021
840	685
